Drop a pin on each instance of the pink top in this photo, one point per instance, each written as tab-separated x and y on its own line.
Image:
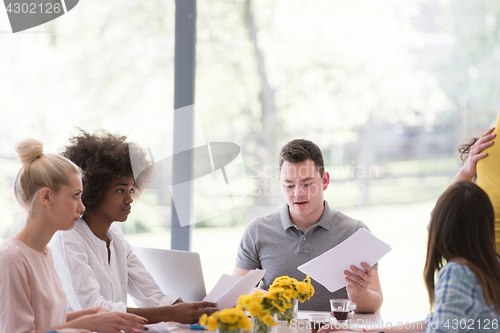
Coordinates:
32	297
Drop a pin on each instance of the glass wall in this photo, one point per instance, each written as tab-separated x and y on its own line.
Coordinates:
100	66
386	89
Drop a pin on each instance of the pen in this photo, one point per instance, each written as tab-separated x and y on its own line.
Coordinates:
196	327
192	327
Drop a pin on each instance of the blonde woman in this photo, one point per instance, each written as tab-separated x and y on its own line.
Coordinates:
49	188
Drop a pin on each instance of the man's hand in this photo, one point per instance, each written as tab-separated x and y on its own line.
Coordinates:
360	280
364	288
190	312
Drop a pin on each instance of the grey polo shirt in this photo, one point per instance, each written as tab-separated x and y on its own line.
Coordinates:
274	243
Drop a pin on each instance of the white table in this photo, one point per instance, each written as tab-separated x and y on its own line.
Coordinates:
367	321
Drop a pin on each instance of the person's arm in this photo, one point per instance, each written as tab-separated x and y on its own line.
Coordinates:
76	314
240	271
476	153
364	288
183	312
247	257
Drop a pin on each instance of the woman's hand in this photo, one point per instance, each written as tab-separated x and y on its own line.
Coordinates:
113	322
101	309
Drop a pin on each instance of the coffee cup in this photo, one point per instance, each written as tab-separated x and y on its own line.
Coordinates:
341	308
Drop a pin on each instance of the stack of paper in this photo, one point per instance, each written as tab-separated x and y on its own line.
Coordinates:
328	268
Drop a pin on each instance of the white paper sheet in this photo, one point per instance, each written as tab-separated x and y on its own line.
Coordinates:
225	283
160	327
229	288
328	268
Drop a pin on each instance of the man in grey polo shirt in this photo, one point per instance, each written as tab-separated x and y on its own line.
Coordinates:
303	229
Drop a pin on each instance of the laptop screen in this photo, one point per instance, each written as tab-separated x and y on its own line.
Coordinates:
177	273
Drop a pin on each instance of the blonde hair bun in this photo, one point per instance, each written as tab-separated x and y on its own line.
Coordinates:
29	150
51	171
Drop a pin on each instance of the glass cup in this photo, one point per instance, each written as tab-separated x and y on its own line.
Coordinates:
341	308
318	320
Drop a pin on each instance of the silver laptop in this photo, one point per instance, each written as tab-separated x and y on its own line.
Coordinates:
177	273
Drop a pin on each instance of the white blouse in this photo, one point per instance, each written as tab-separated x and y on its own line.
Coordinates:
32	296
81	260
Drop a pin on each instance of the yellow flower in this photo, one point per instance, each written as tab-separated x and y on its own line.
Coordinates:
288	294
243	300
246	323
288	288
229	318
302	287
254	308
282	281
268	320
203	319
212	324
262	314
286	284
272	295
311	289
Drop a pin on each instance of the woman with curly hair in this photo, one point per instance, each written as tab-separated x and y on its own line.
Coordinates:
96	264
49	188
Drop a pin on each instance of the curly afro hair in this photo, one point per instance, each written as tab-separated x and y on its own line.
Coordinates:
103	158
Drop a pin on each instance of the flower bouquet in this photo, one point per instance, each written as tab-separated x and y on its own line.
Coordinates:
295	291
262	308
